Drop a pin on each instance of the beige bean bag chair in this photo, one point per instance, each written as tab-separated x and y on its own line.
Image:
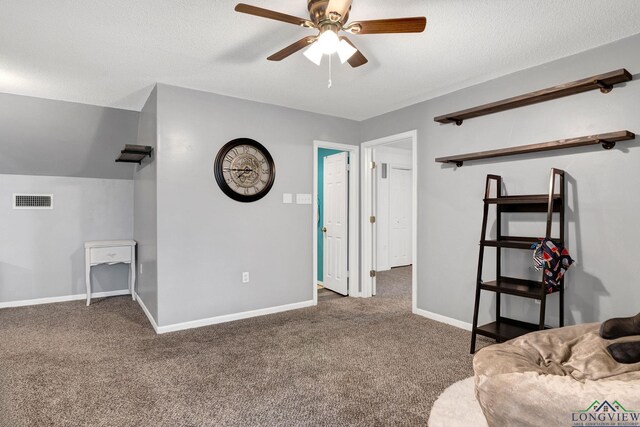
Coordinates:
546	378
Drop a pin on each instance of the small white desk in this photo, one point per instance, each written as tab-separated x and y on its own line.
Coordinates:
110	252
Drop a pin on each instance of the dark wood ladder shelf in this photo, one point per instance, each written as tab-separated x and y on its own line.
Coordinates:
608	141
604	82
503	328
134	153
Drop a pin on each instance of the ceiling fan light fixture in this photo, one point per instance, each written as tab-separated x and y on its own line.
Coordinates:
314	53
330	18
328	42
345	51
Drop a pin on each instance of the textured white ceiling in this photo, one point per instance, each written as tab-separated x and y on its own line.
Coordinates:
111	52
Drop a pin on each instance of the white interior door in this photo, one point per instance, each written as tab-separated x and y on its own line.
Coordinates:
335	230
400	191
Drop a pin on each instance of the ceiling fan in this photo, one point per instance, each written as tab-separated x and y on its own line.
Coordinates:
330	17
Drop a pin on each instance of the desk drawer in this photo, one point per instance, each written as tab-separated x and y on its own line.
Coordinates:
110	255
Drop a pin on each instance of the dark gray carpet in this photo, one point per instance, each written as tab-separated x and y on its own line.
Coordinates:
347	361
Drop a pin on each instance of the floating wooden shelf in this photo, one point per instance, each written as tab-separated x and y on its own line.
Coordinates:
134	153
604	82
608	141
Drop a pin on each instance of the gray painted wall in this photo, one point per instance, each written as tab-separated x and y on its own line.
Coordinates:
603	196
56	138
42	251
205	239
42	141
145	209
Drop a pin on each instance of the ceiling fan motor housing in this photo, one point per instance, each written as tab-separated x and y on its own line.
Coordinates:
318	11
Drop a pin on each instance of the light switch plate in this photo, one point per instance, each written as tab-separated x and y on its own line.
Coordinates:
303	199
287	198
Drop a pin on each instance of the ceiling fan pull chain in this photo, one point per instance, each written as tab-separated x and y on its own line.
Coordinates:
330	83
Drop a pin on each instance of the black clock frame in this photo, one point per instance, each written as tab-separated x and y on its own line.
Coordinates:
222	183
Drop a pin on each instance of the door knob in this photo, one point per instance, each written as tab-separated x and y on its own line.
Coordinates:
324	229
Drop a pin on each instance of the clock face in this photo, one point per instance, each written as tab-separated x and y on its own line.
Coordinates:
244	170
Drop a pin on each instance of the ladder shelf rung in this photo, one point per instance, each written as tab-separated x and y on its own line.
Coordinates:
526	203
521	199
506	329
513	286
515	242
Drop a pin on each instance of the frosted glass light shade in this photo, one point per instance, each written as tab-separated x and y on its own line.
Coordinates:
328	42
314	53
345	51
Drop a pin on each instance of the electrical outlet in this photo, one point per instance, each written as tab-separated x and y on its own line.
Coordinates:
245	277
140	269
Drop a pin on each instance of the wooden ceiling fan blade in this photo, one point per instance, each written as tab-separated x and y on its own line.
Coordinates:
292	48
341	7
357	59
387	26
269	14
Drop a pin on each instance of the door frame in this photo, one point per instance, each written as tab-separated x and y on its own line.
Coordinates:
354	215
367	211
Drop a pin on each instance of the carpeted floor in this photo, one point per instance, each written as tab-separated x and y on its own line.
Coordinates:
347	361
325	294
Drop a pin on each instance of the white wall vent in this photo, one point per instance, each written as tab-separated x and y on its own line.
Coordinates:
33	201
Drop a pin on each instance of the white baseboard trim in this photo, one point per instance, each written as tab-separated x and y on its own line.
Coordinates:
231	317
147	313
65	298
443	319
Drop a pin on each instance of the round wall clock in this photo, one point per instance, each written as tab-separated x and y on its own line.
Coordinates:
244	170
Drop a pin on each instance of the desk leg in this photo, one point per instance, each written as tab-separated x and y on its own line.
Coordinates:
132	280
87	273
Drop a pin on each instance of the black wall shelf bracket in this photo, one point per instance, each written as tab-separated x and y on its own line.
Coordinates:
604	87
134	153
607	145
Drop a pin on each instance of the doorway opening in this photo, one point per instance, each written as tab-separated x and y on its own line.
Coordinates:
389	217
335	220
